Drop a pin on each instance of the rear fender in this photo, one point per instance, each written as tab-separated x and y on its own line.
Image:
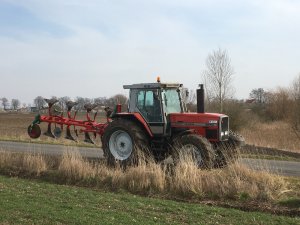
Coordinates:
135	117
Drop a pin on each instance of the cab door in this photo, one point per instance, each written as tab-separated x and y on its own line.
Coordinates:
148	103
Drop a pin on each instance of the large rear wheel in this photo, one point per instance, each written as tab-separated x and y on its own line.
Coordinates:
194	147
122	139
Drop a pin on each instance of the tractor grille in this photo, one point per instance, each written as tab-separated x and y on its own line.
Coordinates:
224	128
211	134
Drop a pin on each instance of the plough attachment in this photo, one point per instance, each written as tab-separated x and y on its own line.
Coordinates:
56	118
49	131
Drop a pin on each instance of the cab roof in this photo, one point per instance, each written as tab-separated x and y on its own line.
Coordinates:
152	85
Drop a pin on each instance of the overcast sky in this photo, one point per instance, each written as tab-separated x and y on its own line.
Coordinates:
91	48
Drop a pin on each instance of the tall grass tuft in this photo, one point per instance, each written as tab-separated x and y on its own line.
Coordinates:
74	167
147	177
34	164
231	182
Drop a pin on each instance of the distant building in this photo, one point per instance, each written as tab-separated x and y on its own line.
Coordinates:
250	101
34	109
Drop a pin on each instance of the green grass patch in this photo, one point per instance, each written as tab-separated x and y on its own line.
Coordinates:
35	202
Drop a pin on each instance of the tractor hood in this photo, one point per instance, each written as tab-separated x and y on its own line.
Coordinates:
213	126
204	119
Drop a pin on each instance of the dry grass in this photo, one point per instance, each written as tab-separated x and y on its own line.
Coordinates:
274	135
34	164
146	177
182	181
74	167
143	178
233	182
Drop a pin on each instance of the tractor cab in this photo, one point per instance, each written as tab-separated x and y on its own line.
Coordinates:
155	102
164	112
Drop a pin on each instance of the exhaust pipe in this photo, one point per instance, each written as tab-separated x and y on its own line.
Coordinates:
200	99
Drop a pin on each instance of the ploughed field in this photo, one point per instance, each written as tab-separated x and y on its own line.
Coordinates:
14	124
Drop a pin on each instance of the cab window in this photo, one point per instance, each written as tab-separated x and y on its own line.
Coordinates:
171	101
149	105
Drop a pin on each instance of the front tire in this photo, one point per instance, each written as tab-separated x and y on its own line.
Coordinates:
198	147
228	151
122	139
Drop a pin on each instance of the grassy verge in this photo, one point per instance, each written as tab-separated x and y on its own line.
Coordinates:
184	180
35	202
234	186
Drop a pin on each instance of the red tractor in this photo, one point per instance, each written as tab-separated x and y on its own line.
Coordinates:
156	120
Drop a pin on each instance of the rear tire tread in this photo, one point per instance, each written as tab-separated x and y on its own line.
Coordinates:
204	146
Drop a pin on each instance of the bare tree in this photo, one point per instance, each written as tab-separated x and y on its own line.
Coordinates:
39	102
100	100
278	104
258	94
62	102
87	100
190	99
295	116
218	77
117	99
15	103
110	102
80	104
4	102
120	99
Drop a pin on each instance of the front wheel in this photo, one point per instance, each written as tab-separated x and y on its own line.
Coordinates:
228	151
122	139
193	147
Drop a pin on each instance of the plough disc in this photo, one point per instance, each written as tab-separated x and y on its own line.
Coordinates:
69	134
57	132
88	139
49	131
34	131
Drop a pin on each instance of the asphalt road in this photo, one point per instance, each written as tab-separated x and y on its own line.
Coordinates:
287	168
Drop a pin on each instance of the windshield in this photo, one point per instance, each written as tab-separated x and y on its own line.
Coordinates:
171	101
